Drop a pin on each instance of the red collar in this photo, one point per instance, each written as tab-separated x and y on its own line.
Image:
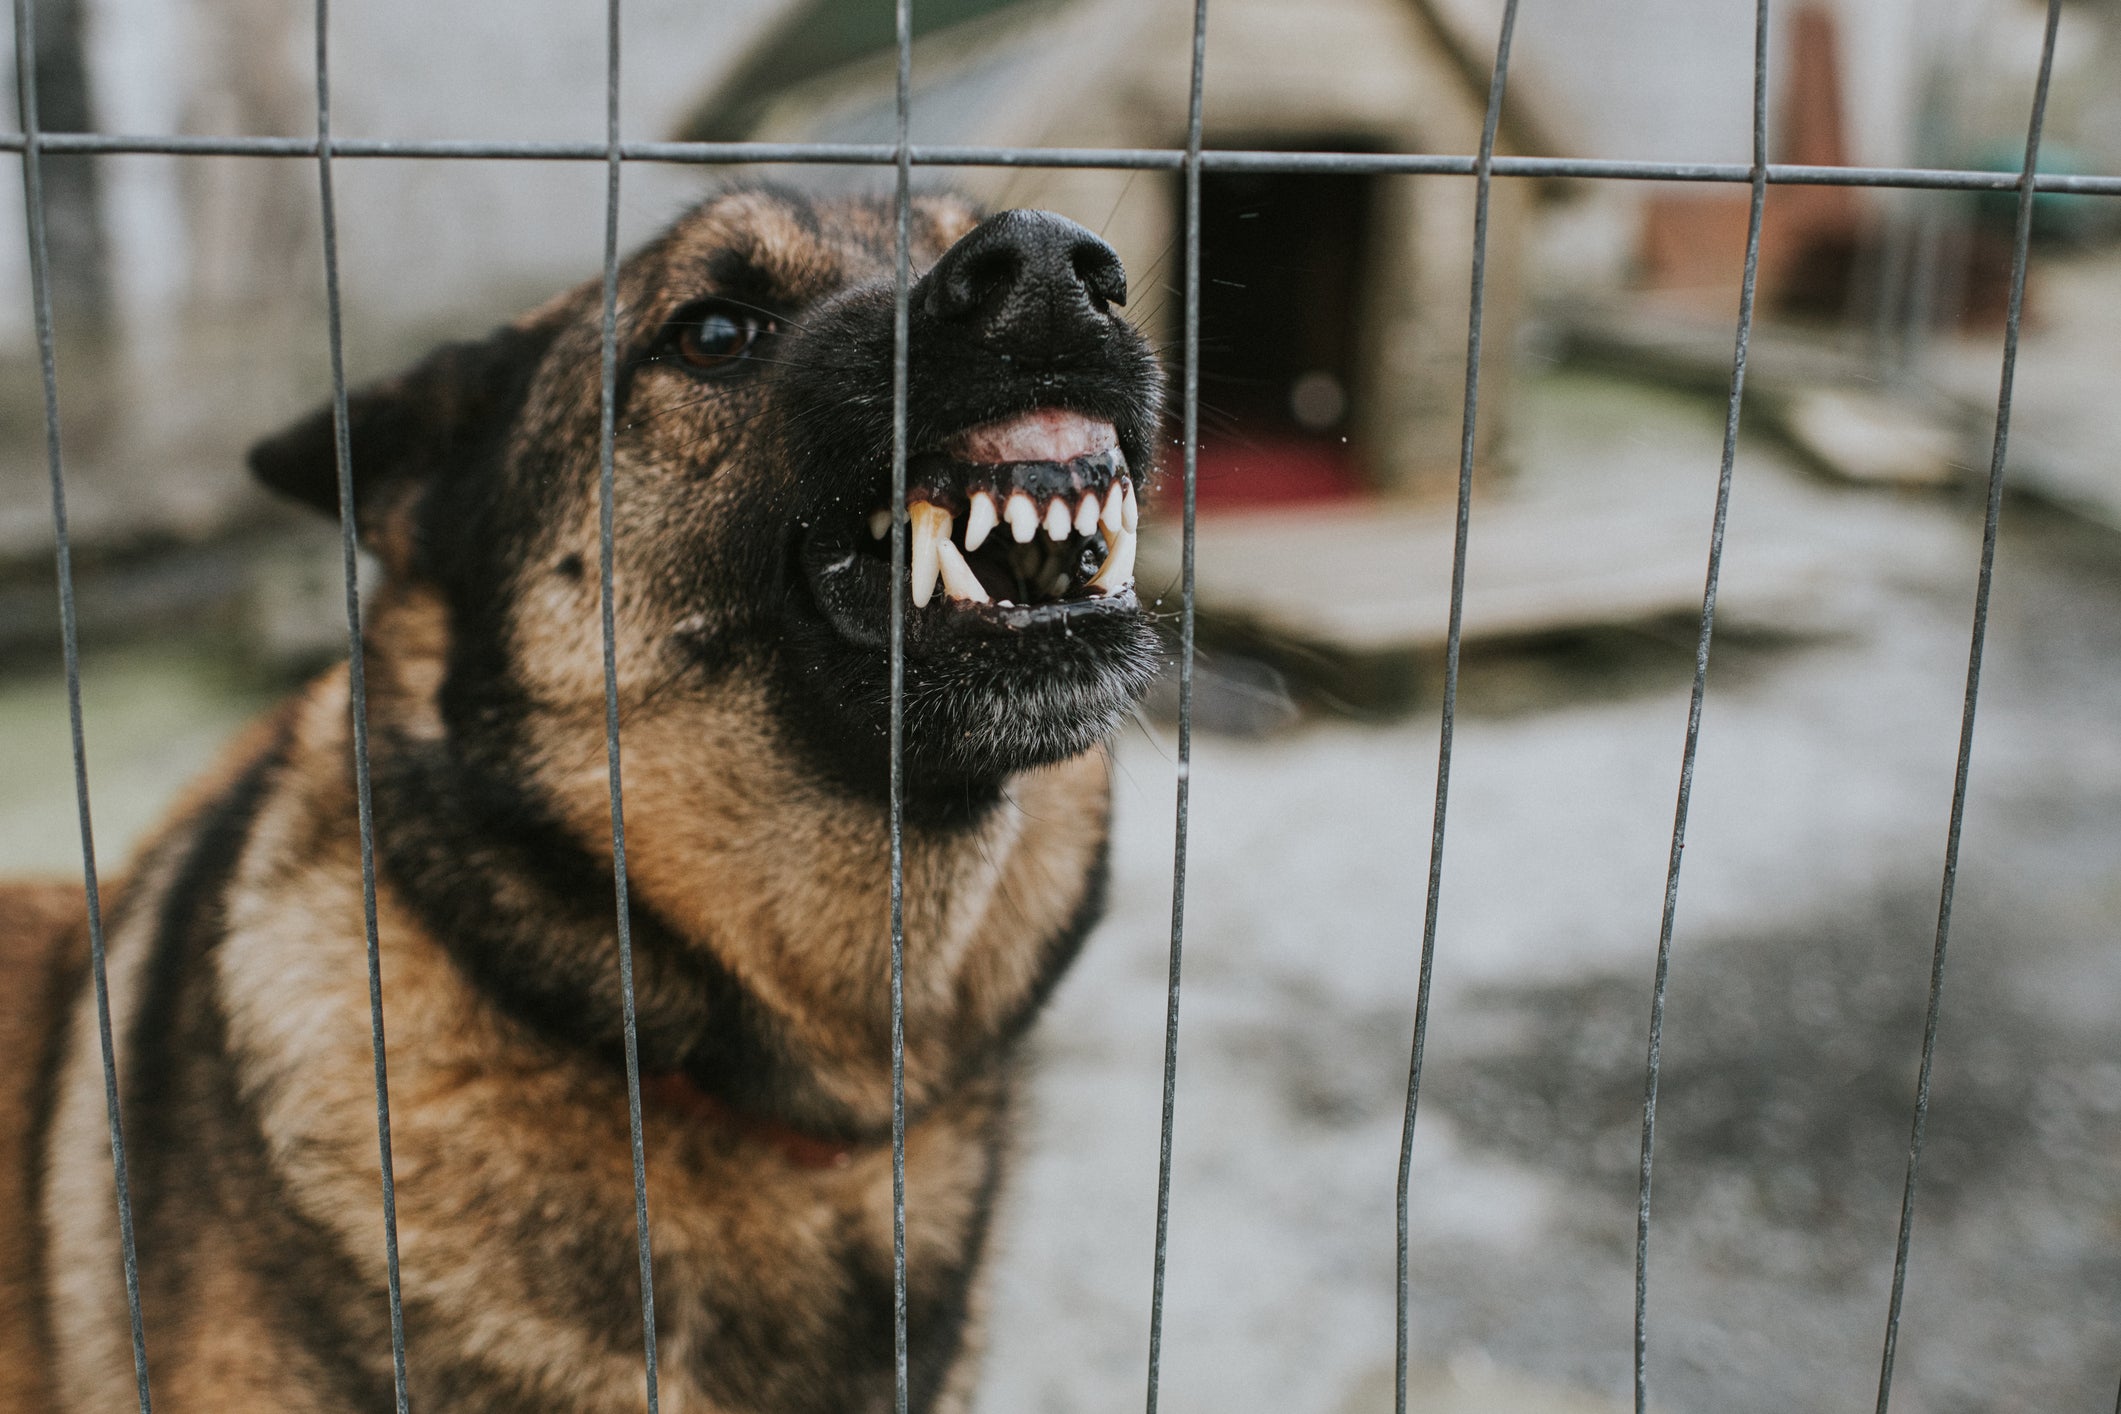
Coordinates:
676	1091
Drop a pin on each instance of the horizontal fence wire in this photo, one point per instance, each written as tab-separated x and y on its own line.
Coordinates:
1447	731
2021	248
1181	823
1413	164
1690	752
357	699
30	144
607	597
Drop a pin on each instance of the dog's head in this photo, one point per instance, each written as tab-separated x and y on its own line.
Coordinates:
752	445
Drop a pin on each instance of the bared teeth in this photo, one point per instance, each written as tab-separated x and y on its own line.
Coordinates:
980	520
1022	517
1117	572
1034	560
1086	514
959	582
931	530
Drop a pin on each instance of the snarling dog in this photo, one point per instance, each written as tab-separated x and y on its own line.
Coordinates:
752	571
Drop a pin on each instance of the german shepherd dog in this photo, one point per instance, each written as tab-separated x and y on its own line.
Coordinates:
753	591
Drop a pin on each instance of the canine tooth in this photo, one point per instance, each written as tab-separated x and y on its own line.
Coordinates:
1022	517
980	520
1118	570
959	582
879	524
1086	514
931	528
1130	514
1115	505
1057	521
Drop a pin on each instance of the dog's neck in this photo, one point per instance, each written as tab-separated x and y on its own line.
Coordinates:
759	898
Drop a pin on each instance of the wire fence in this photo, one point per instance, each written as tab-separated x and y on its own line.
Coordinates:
1191	161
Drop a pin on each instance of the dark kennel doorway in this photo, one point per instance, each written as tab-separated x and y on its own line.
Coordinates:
1284	260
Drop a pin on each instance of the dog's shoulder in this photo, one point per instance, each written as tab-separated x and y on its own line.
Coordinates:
43	951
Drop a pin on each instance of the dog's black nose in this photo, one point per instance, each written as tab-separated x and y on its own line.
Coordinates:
1026	283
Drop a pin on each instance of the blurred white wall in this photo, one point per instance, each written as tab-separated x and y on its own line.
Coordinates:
423	242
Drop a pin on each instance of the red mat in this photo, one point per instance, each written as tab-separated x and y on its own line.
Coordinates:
1244	471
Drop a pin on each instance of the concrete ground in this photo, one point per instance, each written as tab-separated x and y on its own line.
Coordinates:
1805	919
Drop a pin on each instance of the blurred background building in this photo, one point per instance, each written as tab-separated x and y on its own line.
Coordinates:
189	299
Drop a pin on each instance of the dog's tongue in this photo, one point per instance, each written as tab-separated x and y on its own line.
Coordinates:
1048	435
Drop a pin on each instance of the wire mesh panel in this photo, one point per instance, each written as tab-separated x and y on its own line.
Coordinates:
1484	175
357	692
1190	430
901	373
1190	162
1690	752
31	147
606	557
2021	245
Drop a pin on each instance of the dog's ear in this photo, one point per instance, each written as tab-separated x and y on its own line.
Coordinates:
438	420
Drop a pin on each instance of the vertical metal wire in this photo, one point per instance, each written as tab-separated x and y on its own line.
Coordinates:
1191	415
1476	313
901	332
1654	1063
2020	249
605	496
357	693
70	633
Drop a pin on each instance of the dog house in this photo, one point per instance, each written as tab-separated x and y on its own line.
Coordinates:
1333	307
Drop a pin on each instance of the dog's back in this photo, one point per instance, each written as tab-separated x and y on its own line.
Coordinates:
43	944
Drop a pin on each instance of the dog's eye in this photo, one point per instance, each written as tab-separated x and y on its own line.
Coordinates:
715	336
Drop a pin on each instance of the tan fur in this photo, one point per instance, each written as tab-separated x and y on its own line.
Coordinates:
42	938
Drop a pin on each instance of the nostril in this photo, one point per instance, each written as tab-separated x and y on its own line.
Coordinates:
987	273
969	279
1098	269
